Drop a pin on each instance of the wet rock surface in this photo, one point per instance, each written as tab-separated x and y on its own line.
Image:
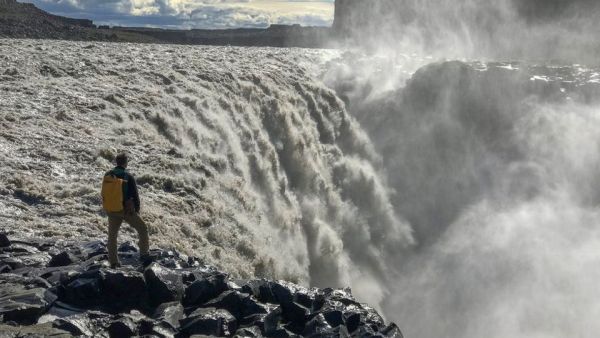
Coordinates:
62	289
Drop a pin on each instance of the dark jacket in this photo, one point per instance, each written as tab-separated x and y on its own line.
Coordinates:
130	191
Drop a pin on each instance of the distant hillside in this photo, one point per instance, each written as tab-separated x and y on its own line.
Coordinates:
23	20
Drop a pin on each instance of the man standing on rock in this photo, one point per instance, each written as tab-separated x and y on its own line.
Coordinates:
121	202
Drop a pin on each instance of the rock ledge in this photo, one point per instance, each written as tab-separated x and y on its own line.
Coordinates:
64	289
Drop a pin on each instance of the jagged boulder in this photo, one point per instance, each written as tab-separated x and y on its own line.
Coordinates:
170	313
4	241
84	290
62	259
81	296
318	326
123	327
240	305
270	323
164	285
123	290
127	247
333	317
261	289
60	310
88	324
248	332
33	331
92	249
209	321
26	281
392	331
24	306
205	288
352	320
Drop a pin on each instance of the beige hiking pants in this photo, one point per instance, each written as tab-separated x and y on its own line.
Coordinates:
115	219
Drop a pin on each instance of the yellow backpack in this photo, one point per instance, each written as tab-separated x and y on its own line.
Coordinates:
112	193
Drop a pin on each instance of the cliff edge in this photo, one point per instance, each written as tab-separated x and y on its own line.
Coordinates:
64	289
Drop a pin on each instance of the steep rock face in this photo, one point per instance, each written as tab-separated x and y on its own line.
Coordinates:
12	7
24	20
87	298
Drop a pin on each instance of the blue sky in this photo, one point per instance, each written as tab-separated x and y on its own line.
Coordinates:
194	13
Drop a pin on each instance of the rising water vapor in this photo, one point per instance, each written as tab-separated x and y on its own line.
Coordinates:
495	165
504	29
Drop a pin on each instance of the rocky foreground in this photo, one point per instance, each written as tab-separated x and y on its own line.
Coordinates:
62	289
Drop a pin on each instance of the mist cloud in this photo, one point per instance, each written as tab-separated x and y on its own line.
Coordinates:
505	29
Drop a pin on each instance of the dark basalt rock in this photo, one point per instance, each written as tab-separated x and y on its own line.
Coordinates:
261	289
123	290
76	293
21	248
79	324
282	333
170	313
57	275
204	289
60	310
270	323
248	332
127	247
4	268
295	313
240	305
28	282
318	326
33	331
62	259
4	241
24	306
210	321
91	249
164	285
122	328
85	292
334	317
13	263
30	260
392	330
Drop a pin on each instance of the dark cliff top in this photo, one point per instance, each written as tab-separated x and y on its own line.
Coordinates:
61	288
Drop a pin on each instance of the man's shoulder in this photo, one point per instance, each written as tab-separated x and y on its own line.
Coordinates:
119	172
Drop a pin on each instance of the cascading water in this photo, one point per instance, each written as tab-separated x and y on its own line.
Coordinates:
459	197
495	165
242	157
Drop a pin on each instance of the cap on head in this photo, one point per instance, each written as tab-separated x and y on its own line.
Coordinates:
121	160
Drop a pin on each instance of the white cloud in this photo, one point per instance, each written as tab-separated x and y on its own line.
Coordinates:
195	13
